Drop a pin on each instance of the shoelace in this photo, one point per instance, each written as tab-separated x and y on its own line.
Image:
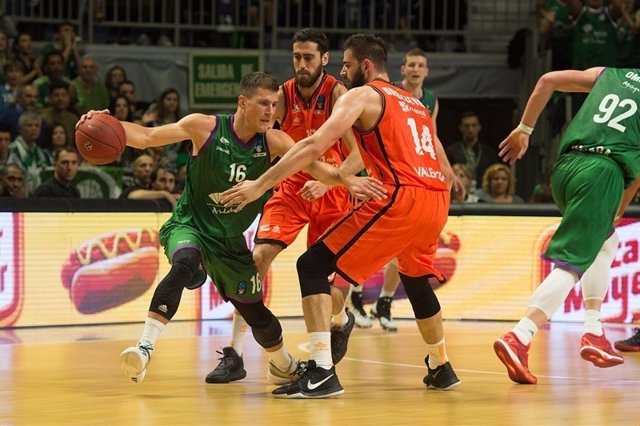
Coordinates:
146	349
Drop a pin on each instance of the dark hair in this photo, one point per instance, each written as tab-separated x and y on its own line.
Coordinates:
468	114
66	148
112	107
107	76
45	60
58	84
162	112
155	171
314	36
48	138
5	128
368	46
257	80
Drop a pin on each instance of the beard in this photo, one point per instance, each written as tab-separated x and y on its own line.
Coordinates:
357	80
305	80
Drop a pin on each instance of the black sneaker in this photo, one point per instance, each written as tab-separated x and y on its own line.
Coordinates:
340	339
231	367
632	344
442	377
382	311
314	382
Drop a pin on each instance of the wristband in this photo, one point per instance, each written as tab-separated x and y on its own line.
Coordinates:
524	128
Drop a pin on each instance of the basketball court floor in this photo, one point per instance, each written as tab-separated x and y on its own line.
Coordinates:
71	376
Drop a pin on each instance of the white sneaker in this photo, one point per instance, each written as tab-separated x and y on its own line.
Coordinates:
278	377
134	361
354	303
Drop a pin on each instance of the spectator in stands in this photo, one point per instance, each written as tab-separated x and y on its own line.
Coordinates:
470	151
23	53
112	79
26	99
12	77
121	109
166	110
163	180
12	181
56	137
5	141
466	177
65	169
58	111
498	185
594	33
141	189
128	89
87	92
555	27
53	69
25	152
628	23
66	42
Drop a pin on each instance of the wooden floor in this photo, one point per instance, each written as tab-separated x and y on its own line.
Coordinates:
72	376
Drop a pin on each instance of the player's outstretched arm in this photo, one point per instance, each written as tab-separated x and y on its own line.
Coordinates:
194	127
516	144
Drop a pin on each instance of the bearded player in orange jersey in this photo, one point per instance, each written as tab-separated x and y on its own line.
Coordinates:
304	104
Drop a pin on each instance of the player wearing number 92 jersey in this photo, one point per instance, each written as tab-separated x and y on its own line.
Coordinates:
600	150
400	152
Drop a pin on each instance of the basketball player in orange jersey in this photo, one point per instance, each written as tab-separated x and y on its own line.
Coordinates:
304	104
400	149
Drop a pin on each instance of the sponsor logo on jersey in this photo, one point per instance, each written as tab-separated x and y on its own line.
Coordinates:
258	150
630	87
242	288
295	107
319	109
226	151
217	207
429	173
297	120
407	103
265	228
224	141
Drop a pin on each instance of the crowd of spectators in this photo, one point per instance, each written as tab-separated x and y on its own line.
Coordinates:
42	95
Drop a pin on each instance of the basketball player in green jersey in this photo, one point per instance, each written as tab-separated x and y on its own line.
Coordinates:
226	149
414	70
599	157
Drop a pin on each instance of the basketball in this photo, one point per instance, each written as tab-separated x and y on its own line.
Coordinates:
101	139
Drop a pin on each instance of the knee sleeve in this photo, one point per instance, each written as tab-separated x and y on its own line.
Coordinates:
184	267
595	281
314	266
423	300
264	325
551	293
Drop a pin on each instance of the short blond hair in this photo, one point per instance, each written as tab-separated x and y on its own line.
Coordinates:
491	171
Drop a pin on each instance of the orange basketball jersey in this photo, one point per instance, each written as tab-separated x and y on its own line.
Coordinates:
400	149
302	119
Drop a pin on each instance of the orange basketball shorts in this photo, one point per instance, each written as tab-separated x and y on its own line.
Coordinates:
406	225
286	213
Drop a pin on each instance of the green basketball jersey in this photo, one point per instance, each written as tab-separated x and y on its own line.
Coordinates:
608	123
428	98
222	162
594	40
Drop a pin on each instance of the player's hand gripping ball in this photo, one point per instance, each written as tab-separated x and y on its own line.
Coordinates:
100	139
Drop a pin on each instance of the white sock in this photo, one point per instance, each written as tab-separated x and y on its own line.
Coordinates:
281	359
320	347
385	293
151	331
437	354
592	322
525	330
340	320
238	331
